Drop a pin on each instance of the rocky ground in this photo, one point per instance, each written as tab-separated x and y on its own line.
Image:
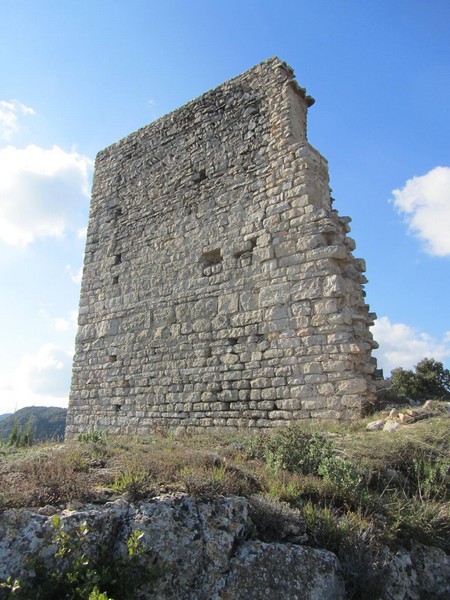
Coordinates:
353	512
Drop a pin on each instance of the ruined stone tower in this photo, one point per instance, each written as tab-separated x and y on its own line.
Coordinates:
219	287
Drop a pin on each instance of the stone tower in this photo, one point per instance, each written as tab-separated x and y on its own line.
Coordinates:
219	285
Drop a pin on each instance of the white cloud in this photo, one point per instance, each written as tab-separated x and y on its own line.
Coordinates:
65	324
40	379
10	110
403	346
60	323
43	193
75	276
425	201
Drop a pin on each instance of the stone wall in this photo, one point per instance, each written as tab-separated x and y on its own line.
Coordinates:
219	285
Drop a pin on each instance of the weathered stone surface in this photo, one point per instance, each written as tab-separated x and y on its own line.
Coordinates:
375	425
281	571
212	252
196	542
421	572
391	425
203	548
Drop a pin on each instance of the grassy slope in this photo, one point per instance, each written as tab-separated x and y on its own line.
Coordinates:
348	490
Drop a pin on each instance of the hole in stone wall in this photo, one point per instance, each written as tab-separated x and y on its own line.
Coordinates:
117	407
211	262
199	176
112	358
115	280
118	258
118	212
213	257
329	238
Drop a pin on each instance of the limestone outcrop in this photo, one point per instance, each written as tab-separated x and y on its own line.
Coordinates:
205	553
200	544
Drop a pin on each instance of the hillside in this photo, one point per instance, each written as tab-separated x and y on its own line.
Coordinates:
363	501
47	422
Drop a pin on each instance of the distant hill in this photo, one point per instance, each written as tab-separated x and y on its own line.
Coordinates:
4	416
47	422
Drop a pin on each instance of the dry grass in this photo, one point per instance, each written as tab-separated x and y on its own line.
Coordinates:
397	482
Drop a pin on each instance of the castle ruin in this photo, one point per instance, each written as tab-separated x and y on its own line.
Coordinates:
219	286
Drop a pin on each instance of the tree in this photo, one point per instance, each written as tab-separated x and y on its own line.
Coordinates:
430	380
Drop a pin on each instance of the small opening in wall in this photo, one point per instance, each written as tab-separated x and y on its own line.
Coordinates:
112	358
199	176
117	407
329	238
118	212
213	257
211	262
115	279
118	258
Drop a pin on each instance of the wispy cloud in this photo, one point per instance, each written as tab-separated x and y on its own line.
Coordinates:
66	323
10	111
59	323
82	233
75	276
403	346
42	378
43	193
425	202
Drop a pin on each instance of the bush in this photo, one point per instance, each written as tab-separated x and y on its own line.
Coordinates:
21	438
430	380
342	474
133	481
293	450
83	575
42	480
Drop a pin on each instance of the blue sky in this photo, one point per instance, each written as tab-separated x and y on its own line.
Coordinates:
78	76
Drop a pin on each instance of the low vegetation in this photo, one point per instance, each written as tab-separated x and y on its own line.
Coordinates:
84	578
348	490
428	380
32	424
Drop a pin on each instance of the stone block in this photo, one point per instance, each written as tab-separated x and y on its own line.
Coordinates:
289	404
352	386
274	294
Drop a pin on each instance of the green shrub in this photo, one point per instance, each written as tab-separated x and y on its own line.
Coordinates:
342	474
213	480
92	437
352	538
293	450
21	438
97	595
284	488
430	380
133	481
410	519
430	477
81	576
